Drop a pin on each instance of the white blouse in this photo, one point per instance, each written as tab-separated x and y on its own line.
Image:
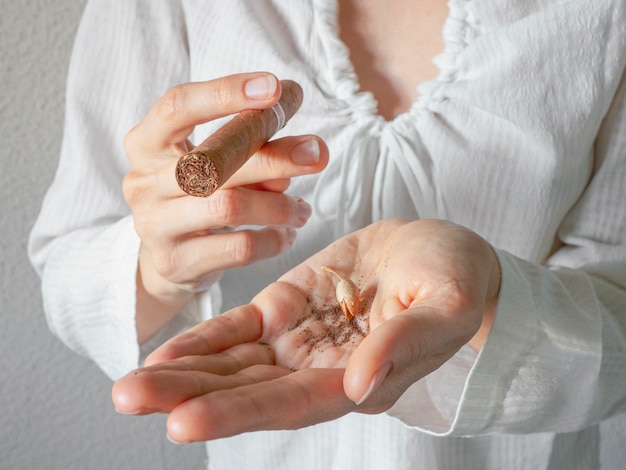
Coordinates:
521	137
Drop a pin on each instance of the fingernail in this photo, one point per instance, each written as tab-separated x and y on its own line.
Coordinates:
306	153
141	411
304	210
174	441
130	413
291	235
379	376
261	88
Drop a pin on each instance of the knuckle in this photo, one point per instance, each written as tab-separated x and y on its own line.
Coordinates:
146	224
243	247
132	190
165	264
225	206
284	210
131	143
272	163
172	104
222	96
142	226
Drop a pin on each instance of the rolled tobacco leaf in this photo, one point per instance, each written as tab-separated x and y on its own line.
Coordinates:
208	166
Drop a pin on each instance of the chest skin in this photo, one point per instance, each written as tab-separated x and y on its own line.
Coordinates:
392	45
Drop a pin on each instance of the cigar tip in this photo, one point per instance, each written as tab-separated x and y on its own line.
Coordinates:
197	175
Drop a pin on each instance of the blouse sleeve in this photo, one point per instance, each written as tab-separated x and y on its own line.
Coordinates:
83	245
555	360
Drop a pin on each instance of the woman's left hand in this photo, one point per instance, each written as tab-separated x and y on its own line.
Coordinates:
291	358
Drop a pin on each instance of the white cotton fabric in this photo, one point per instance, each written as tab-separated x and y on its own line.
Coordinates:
521	137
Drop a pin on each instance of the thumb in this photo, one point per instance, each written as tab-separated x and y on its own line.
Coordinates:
398	353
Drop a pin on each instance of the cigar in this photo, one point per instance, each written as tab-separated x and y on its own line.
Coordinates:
208	166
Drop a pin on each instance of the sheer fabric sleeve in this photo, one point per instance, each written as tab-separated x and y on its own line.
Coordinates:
84	246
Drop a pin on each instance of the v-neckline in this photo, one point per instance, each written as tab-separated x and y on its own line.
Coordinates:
342	73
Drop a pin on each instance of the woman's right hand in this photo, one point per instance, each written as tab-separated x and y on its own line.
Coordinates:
187	241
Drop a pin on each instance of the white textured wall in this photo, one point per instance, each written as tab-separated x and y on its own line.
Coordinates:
55	407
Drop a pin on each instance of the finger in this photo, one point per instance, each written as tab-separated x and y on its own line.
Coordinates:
280	159
293	401
237	326
229	208
398	353
174	116
188	262
283	158
146	391
229	361
278	186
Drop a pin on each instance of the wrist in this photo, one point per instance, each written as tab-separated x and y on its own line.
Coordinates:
157	299
491	303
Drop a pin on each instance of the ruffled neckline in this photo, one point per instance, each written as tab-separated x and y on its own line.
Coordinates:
459	28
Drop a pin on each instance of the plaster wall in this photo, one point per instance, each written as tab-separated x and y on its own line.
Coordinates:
55	407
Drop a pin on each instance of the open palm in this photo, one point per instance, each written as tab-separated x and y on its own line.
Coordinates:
291	357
